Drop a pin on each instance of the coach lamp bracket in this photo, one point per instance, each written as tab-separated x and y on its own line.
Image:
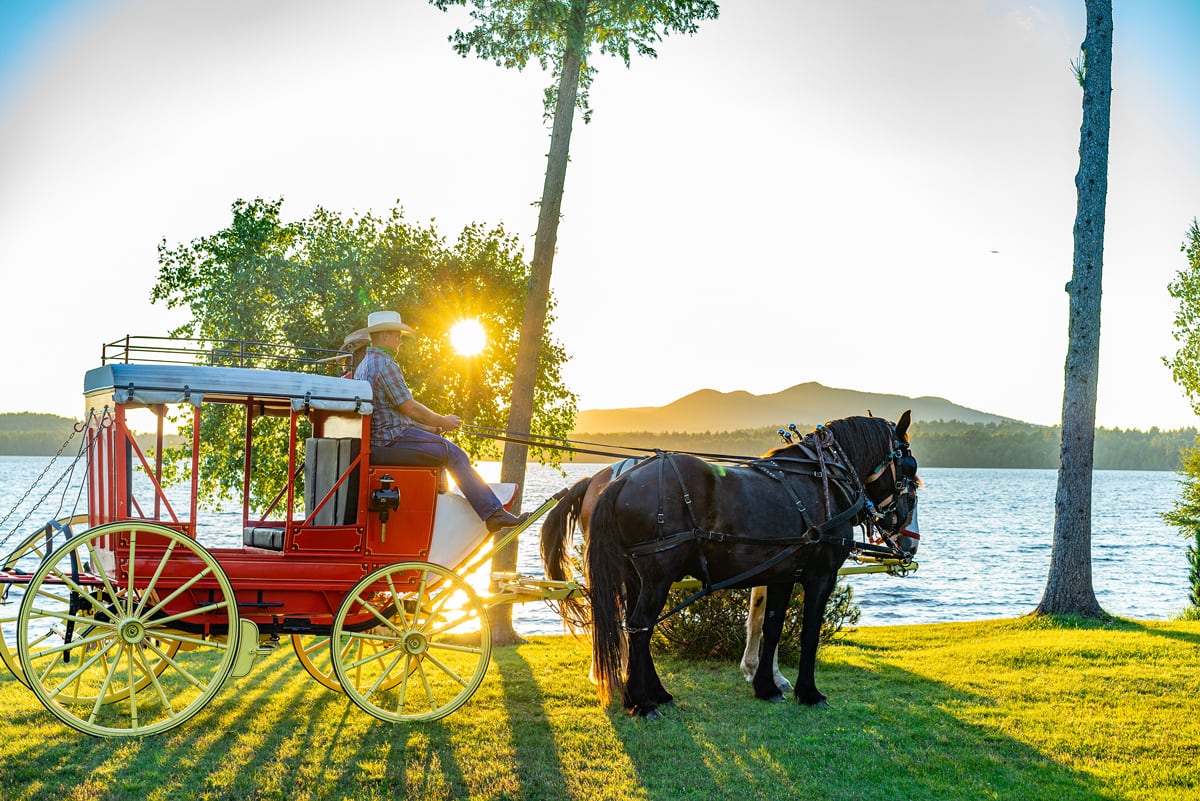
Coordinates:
384	501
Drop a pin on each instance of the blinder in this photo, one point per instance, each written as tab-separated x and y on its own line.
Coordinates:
896	514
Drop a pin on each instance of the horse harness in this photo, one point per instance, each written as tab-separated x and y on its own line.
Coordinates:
835	476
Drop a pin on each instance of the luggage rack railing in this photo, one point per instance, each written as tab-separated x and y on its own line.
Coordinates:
222	353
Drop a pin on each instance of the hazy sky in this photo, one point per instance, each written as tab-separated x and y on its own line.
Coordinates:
868	194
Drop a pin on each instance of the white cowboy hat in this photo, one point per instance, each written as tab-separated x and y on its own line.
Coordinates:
355	340
386	321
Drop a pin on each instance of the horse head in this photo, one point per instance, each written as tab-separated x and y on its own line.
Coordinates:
892	489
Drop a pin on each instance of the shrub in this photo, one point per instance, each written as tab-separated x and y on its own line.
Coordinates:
714	627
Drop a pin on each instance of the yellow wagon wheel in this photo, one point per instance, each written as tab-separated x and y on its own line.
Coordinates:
411	642
165	626
25	558
314	654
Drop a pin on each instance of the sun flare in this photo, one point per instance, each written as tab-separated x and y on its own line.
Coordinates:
468	337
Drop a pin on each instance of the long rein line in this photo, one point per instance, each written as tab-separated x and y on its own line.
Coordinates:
758	462
573	446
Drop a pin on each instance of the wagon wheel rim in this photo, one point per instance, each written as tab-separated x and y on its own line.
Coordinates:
411	642
167	628
26	556
313	653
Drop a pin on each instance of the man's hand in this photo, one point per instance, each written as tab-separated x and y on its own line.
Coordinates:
450	422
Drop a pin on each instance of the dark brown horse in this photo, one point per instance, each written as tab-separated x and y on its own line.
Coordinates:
574	510
785	518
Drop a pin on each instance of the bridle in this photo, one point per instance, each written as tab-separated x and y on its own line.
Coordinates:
888	516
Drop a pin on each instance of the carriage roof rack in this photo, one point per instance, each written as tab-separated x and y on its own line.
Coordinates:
222	353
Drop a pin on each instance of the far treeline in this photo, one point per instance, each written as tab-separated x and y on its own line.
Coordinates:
28	434
938	444
32	434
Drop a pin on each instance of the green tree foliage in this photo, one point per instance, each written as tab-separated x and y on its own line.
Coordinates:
1185	364
512	33
311	281
1186	517
1185	368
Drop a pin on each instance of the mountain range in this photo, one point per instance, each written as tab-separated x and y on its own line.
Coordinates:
708	410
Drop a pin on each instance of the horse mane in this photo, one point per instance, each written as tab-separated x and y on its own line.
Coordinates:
858	436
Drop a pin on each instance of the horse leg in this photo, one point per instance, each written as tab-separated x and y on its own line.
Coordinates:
644	691
817	590
754	622
775	611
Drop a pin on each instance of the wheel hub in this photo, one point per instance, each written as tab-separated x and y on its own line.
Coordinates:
132	631
415	643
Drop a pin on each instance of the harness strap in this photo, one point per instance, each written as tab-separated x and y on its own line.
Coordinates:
765	469
661	457
664	457
841	517
708	589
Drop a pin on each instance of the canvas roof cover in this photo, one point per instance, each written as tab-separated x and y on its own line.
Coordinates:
178	383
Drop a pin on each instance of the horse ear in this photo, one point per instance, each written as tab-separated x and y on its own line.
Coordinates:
902	426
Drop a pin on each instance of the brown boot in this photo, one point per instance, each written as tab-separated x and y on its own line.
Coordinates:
502	518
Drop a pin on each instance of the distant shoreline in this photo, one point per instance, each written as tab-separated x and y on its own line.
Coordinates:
936	444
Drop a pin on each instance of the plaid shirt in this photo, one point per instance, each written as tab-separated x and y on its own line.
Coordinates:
388	390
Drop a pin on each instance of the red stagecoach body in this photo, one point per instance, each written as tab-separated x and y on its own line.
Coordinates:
298	558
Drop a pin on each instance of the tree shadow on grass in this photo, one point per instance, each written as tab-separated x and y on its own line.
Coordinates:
534	733
1190	637
889	735
118	768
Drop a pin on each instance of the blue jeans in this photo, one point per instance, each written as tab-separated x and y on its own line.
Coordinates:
477	492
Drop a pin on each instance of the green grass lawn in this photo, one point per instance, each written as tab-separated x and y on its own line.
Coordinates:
1022	709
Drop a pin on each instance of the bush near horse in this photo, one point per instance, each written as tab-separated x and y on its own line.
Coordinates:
715	627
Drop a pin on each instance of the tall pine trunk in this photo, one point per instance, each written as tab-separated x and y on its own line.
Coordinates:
1069	586
520	415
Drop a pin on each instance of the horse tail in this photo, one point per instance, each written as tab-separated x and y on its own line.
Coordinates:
605	575
558	528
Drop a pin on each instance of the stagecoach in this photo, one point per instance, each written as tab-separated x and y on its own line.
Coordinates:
126	620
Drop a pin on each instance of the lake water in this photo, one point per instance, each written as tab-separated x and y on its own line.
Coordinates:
985	547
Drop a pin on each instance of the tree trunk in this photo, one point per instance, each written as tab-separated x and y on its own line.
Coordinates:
1069	586
520	415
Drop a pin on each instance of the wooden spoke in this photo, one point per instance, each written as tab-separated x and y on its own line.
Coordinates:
438	636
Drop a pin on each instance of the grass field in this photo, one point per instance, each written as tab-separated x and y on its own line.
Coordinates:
1017	709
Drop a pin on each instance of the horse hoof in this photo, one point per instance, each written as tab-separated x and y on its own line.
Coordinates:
818	700
775	699
646	713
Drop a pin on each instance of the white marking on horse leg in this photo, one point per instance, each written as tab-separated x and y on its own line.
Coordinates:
754	621
780	681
